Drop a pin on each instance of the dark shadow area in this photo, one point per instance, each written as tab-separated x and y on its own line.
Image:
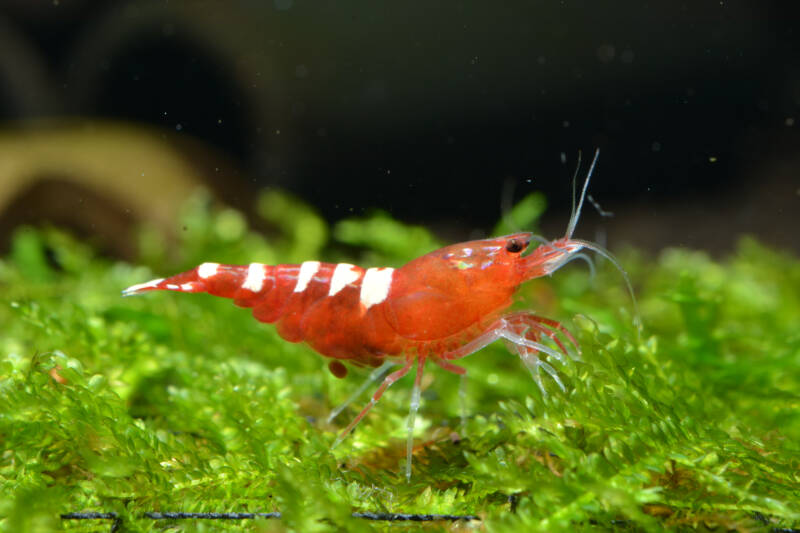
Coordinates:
199	101
428	110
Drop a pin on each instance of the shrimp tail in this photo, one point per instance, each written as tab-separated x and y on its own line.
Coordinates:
227	281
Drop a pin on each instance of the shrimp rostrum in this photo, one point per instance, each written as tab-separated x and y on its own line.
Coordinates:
440	307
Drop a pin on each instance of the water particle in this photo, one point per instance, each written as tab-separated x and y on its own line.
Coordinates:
606	53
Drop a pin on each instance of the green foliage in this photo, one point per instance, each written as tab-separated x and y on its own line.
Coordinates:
523	216
384	239
184	403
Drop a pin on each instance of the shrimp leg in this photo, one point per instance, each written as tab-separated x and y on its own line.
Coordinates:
412	414
545	326
373	376
462	387
387	382
416	395
523	331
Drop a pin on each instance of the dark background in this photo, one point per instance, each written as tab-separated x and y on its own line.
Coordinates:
430	109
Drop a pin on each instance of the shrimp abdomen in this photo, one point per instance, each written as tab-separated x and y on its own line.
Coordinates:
330	306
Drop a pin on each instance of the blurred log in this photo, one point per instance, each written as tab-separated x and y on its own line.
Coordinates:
103	180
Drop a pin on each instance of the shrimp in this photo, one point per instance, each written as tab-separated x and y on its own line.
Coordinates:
440	307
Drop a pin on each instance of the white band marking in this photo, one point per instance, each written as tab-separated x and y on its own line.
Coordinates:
133	289
343	275
255	277
375	286
307	271
206	270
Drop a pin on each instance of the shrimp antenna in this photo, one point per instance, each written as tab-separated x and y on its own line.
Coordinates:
574	183
637	321
576	213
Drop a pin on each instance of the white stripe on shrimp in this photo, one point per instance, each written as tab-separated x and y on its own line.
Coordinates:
206	270
375	286
343	275
255	277
133	289
307	271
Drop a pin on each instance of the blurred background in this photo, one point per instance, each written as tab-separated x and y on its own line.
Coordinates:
114	112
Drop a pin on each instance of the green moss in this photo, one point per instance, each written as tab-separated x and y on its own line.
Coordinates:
185	403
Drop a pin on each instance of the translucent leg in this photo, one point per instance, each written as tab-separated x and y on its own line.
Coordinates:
462	387
505	328
555	327
450	367
492	333
533	364
373	376
553	374
546	326
412	414
387	382
521	340
462	402
523	332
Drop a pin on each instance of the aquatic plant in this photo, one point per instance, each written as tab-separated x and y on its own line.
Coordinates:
167	404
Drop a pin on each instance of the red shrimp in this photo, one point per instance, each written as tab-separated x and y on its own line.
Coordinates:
440	307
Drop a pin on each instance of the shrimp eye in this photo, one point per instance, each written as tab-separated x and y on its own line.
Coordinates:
514	246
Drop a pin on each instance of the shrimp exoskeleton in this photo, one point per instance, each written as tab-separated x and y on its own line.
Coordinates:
442	306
